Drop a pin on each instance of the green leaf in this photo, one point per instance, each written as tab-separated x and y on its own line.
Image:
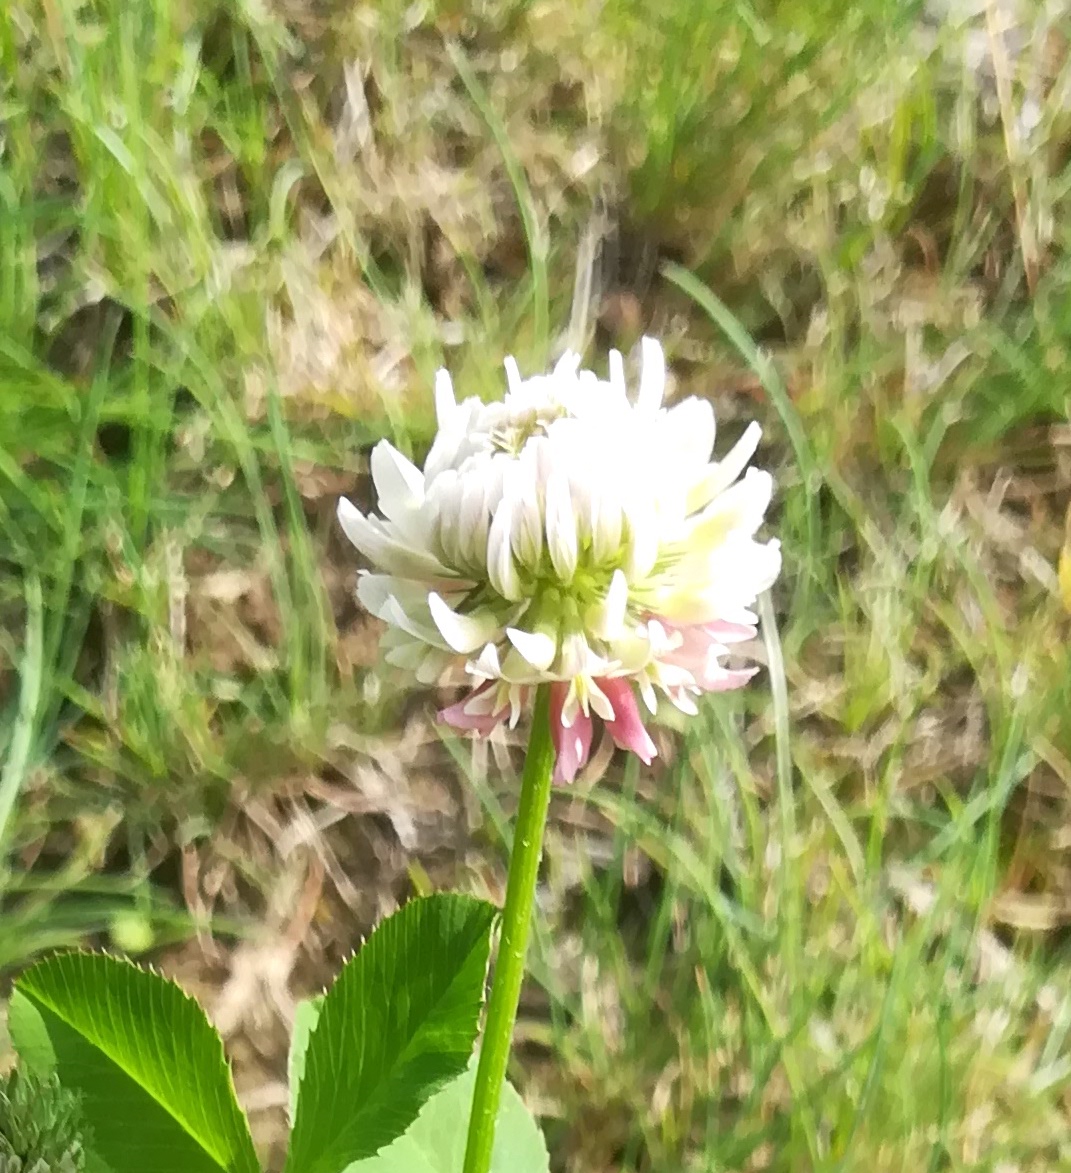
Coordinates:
400	1021
306	1016
29	1036
155	1086
435	1141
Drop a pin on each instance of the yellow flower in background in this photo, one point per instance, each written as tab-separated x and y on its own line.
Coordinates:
574	535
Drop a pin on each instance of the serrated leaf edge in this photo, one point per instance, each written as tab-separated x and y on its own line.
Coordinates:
224	1160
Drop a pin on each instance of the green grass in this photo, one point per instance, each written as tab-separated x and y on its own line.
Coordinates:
828	930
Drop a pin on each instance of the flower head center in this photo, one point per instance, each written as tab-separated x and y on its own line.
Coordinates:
512	436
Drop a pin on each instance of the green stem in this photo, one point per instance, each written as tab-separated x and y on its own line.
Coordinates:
513	944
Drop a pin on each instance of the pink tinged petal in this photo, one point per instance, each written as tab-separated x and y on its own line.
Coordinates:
572	744
690	648
720	476
725	679
460	716
463	633
501	569
561	526
652	376
627	728
538	648
698	653
445	403
731	633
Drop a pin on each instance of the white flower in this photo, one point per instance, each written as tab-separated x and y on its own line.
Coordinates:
573	535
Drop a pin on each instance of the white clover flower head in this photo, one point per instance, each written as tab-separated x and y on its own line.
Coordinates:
569	534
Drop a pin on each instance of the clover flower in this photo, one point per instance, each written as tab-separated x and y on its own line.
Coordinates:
570	535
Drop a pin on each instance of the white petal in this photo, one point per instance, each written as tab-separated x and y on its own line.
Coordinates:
473	521
537	647
513	374
446	492
720	475
611	616
739	510
561	526
583	500
363	533
516	705
528	521
408	655
599	702
643	542
400	486
605	526
766	566
445	403
464	633
733	577
631	651
433	667
486	665
394	614
652	376
686	433
379	545
401	604
501	569
683	701
373	591
427	664
571	705
577	658
617	373
565	369
399	483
